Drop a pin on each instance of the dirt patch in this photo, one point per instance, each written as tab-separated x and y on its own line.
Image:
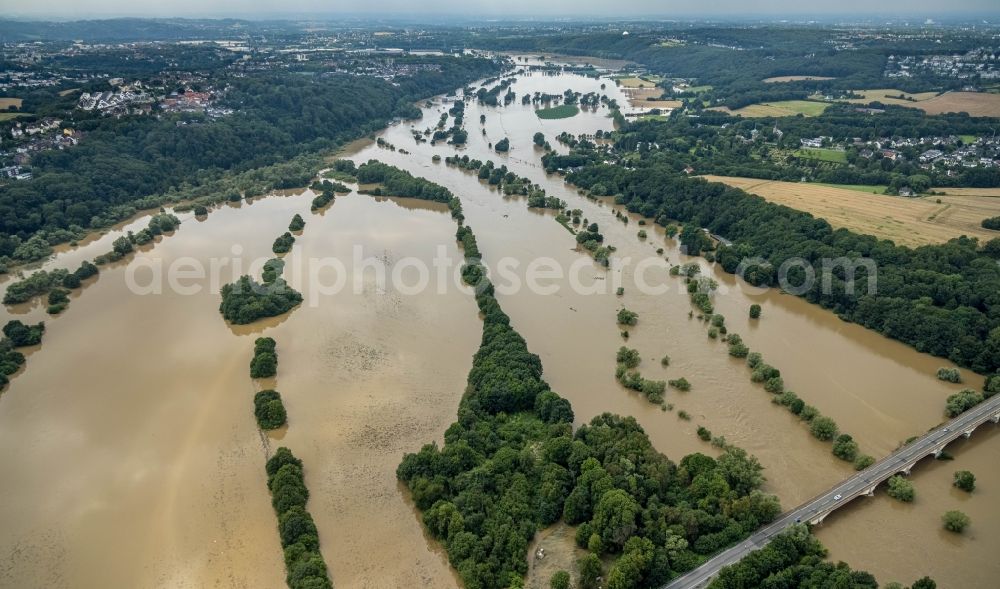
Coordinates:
553	550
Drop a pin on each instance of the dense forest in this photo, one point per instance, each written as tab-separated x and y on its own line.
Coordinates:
128	163
941	299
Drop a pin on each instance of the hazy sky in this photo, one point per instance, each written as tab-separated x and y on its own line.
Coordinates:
545	8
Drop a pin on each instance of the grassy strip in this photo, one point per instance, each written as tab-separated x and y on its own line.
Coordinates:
563	111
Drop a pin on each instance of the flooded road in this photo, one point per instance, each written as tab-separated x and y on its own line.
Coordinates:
131	457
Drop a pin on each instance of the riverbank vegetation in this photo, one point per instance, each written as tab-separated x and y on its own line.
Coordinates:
962	401
268	410
327	193
36	284
21	335
949	375
16	334
955	521
283	244
304	563
159	224
54	284
626	317
965	481
10	361
272	270
247	300
652	390
264	363
901	489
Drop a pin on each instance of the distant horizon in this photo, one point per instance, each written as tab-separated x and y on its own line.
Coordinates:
445	18
512	10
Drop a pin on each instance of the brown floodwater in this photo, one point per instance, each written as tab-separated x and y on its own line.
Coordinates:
131	457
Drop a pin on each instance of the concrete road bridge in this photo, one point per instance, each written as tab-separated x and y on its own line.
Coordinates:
861	484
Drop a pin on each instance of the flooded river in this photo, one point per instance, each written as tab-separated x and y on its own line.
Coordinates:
131	457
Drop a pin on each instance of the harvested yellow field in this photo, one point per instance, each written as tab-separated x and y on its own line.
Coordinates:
68	92
635	82
779	79
906	221
977	104
891	96
987	192
6	103
784	108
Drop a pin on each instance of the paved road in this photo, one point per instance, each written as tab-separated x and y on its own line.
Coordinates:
828	501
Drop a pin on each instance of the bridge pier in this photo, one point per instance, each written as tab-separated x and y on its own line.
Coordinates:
818	519
995	418
968	433
870	491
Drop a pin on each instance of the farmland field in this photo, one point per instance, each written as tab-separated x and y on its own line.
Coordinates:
635	82
906	221
888	96
6	103
985	192
977	104
784	108
646	97
563	111
778	79
868	188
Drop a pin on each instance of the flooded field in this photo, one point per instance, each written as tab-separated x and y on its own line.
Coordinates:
131	457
